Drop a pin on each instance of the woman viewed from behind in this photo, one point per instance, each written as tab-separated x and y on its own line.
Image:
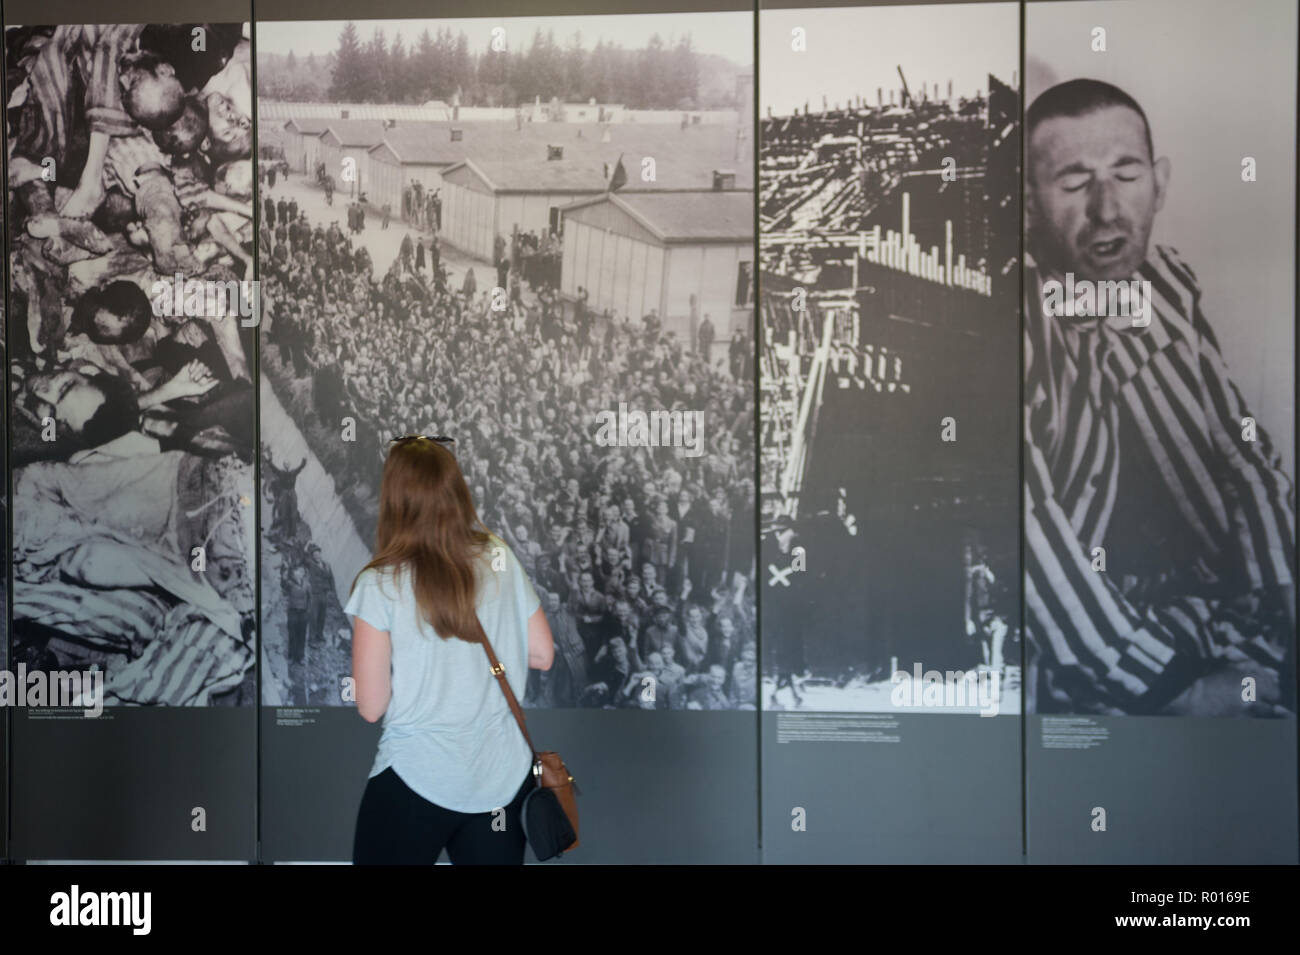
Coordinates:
451	757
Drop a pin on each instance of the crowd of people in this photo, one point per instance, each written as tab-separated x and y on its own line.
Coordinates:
422	208
643	557
535	257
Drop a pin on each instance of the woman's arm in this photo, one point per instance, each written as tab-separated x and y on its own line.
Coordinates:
541	645
192	380
372	653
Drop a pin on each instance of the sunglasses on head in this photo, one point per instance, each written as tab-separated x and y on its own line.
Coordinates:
442	439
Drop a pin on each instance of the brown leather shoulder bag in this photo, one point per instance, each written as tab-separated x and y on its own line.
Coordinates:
547	832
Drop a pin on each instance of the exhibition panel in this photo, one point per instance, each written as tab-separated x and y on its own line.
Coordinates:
530	230
131	432
889	147
1159	432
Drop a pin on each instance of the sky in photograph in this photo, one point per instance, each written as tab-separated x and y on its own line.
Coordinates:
856	50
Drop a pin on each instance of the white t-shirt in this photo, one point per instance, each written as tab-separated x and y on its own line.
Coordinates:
448	731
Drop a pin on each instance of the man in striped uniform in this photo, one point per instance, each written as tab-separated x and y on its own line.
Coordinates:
1159	523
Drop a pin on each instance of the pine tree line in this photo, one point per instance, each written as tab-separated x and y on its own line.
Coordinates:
441	66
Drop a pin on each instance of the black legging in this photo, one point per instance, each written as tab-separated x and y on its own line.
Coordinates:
396	826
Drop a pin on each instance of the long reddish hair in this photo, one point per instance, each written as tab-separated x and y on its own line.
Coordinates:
429	527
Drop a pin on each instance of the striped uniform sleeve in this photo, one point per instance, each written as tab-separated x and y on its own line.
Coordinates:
1260	498
104	46
1101	649
43	132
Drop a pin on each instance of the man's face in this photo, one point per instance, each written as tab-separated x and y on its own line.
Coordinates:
1093	193
69	397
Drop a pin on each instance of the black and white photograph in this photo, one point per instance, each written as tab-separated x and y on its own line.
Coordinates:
533	236
889	244
132	419
1159	457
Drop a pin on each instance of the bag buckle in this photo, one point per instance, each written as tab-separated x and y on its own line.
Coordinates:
498	669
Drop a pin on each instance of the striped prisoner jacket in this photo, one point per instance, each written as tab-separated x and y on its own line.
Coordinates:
1134	443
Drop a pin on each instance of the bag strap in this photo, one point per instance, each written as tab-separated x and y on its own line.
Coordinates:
499	672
